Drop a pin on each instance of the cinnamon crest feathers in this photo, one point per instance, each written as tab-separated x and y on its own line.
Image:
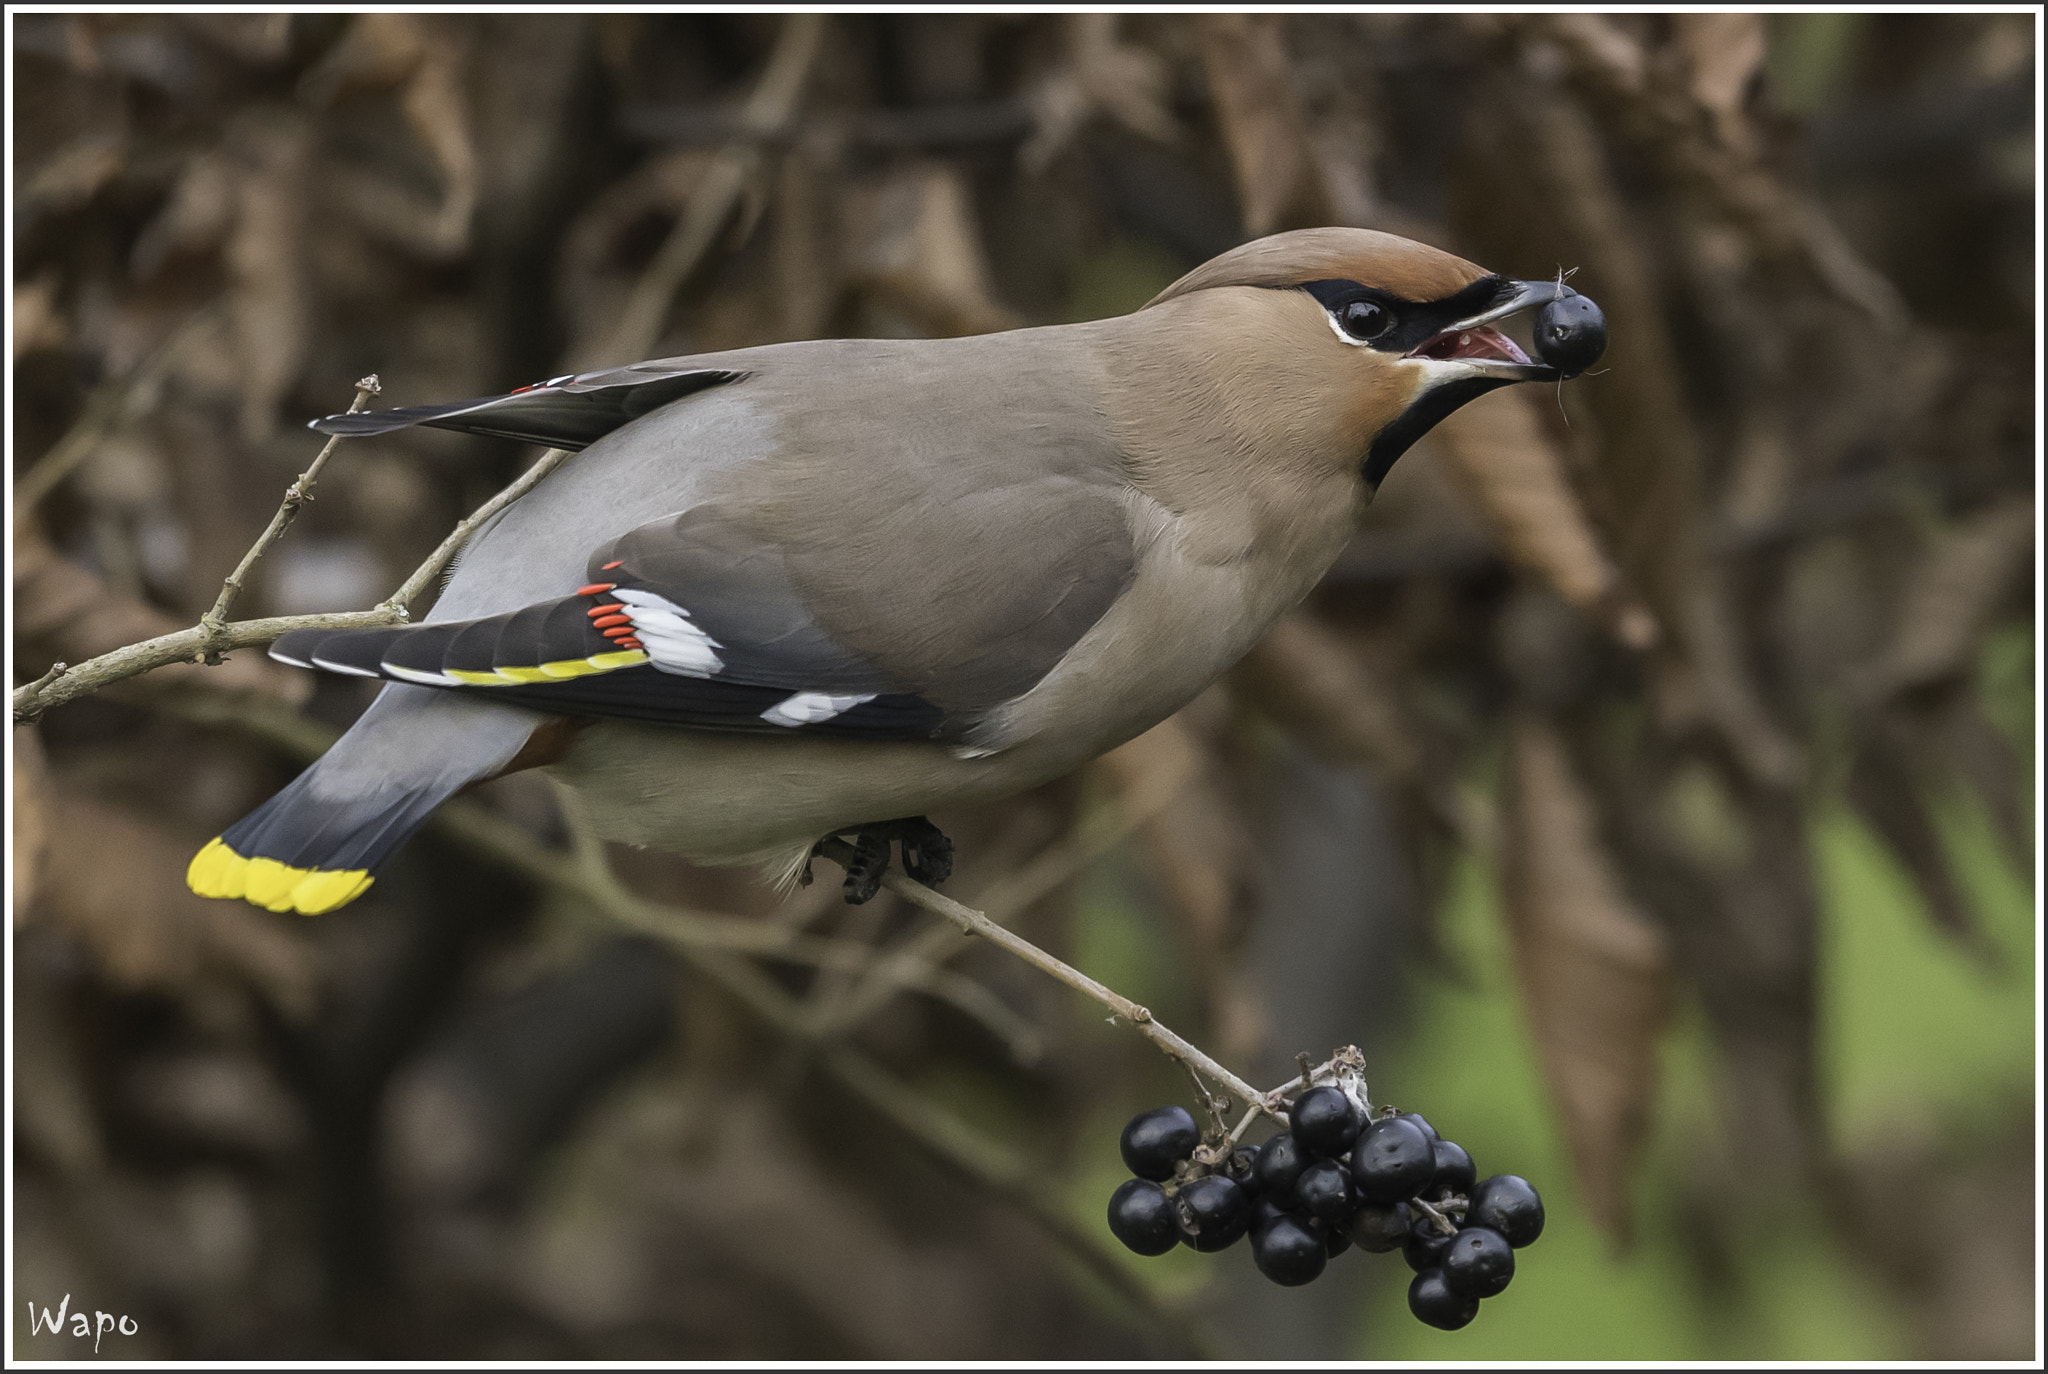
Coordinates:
807	589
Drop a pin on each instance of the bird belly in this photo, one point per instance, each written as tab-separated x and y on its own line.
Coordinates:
718	798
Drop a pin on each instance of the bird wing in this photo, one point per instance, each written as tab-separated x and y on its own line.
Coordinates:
706	619
569	412
902	537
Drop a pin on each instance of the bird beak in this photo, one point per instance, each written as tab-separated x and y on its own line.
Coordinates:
1475	342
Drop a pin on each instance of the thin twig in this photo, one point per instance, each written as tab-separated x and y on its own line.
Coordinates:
1443	1223
56	671
1214	1108
295	498
770	106
204	643
975	923
1251	1114
594	876
424	575
1008	895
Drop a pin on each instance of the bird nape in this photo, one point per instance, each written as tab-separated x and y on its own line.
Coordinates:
829	587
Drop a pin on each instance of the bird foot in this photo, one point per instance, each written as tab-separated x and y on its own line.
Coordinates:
927	856
864	872
927	853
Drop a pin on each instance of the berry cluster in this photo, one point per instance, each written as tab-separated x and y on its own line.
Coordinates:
1336	1178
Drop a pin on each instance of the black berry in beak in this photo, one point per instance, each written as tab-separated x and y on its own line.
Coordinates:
1571	334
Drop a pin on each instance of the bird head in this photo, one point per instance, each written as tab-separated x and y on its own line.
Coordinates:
1387	335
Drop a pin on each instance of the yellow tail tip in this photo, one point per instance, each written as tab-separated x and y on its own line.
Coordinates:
218	871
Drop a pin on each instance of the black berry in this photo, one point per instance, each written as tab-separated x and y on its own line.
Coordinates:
1214	1212
1267	1209
1393	1161
1454	1171
1336	1234
1507	1204
1424	1248
1288	1253
1420	1121
1324	1122
1325	1190
1157	1140
1141	1216
1379	1228
1571	334
1433	1301
1280	1163
1478	1262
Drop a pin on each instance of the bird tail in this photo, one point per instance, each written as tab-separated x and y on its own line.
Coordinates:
319	843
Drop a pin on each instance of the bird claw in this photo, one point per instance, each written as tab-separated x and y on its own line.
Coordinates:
927	853
864	871
927	856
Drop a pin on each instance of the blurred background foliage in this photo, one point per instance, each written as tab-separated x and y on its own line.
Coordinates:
1648	790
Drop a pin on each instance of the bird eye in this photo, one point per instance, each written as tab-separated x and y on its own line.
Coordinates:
1365	320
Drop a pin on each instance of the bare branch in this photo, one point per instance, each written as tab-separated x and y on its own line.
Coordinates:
295	498
56	671
975	923
1009	894
204	643
424	575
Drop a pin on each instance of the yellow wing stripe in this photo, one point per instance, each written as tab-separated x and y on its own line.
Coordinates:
551	672
218	871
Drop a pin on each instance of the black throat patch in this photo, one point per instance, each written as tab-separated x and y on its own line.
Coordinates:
1419	418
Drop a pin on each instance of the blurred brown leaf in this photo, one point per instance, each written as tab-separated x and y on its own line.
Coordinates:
1888	792
1646	476
1516	477
1664	119
55	1119
807	260
38	321
914	241
1198	847
1965	739
734	1187
1100	74
1594	970
1725	54
117	883
1312	681
270	303
31	781
1950	599
1279	185
75	173
427	62
258	39
595	279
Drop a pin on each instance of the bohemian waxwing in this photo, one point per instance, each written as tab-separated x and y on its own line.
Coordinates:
817	588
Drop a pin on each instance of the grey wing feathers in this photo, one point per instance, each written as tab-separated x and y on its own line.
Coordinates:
567	412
